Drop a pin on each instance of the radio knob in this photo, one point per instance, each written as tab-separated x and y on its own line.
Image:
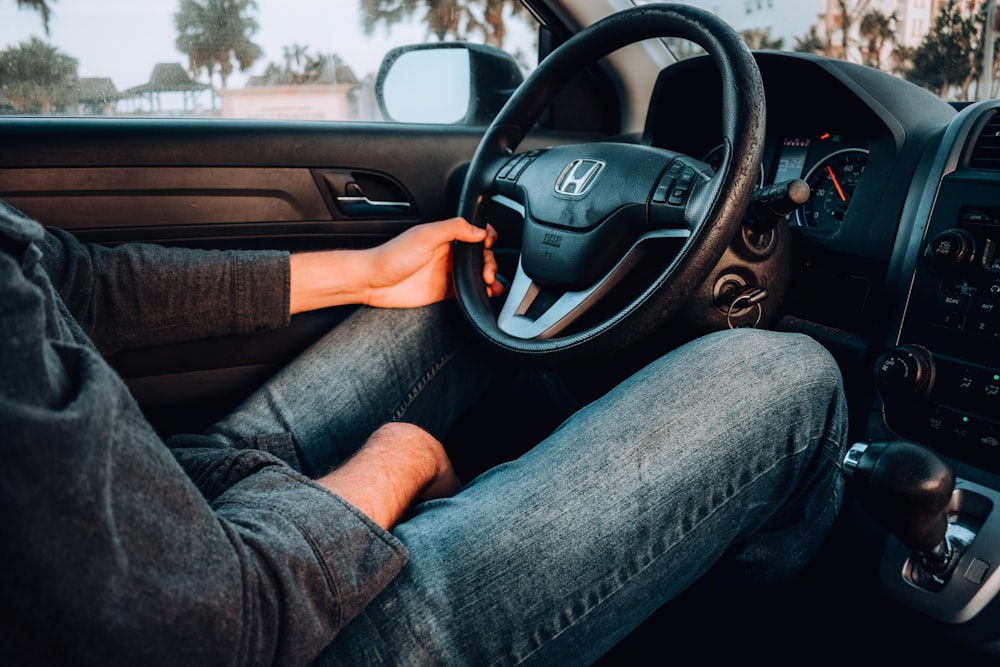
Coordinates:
950	251
905	372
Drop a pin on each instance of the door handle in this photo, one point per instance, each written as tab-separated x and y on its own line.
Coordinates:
363	206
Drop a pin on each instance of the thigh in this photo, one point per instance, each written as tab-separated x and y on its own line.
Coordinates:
556	556
379	365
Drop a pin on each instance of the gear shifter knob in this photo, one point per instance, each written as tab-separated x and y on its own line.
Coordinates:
909	488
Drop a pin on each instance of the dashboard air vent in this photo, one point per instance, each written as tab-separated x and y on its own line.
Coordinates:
986	152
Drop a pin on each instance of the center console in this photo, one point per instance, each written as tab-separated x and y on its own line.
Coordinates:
939	378
941	382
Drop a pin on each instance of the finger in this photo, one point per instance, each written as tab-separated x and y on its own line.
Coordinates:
489	267
458	229
493	286
491	236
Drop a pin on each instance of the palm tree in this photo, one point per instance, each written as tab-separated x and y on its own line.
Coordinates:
458	19
215	33
879	30
41	6
946	61
759	39
36	78
848	13
811	42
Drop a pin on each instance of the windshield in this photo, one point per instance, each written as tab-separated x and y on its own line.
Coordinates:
940	45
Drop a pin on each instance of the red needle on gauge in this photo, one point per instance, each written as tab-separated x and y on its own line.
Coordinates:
836	183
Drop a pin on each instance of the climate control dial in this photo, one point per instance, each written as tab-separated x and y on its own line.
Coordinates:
905	372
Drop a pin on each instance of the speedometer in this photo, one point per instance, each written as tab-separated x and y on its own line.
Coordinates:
833	182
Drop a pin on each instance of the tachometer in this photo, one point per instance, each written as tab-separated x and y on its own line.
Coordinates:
833	182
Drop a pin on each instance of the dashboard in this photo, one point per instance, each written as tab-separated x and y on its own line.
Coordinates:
898	247
854	134
897	271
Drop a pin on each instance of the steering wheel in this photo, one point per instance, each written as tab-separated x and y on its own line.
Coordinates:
590	210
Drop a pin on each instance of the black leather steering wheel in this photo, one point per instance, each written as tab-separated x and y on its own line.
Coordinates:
591	209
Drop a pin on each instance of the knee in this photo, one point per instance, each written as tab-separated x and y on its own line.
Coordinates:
780	373
788	358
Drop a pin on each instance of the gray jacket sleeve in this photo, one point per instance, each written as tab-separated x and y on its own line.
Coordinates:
139	295
117	549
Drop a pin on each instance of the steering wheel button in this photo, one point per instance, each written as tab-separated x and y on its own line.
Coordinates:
519	167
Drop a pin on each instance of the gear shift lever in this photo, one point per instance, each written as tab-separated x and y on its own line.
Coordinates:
909	488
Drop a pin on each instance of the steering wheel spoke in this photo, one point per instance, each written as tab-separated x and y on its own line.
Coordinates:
534	310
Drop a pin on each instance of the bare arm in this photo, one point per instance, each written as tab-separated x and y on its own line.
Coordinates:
400	465
413	269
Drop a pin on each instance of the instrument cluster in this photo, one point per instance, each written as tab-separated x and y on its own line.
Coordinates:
833	166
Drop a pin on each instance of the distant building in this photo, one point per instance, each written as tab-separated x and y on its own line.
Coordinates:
307	101
170	91
913	19
916	20
96	96
328	92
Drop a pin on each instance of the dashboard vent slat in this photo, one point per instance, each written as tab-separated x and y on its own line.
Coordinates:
986	152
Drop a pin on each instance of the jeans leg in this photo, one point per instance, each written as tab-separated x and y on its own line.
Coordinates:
554	557
379	365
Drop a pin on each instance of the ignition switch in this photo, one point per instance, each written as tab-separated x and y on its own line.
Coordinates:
737	298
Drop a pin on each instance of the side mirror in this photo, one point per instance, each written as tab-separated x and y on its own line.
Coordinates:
452	82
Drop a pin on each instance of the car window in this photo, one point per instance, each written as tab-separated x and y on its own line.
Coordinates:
318	59
275	59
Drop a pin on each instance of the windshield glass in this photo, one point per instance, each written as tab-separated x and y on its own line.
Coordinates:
938	44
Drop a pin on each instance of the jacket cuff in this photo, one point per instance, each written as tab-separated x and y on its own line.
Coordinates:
261	290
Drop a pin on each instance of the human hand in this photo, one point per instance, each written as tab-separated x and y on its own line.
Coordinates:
414	268
399	466
410	270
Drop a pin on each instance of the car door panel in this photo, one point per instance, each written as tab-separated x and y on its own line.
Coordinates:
223	184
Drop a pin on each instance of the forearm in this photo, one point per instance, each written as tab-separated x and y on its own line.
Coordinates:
142	294
398	466
328	278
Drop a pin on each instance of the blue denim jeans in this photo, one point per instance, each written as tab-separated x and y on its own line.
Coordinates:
724	449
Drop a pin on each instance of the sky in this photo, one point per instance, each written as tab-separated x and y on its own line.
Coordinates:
87	29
